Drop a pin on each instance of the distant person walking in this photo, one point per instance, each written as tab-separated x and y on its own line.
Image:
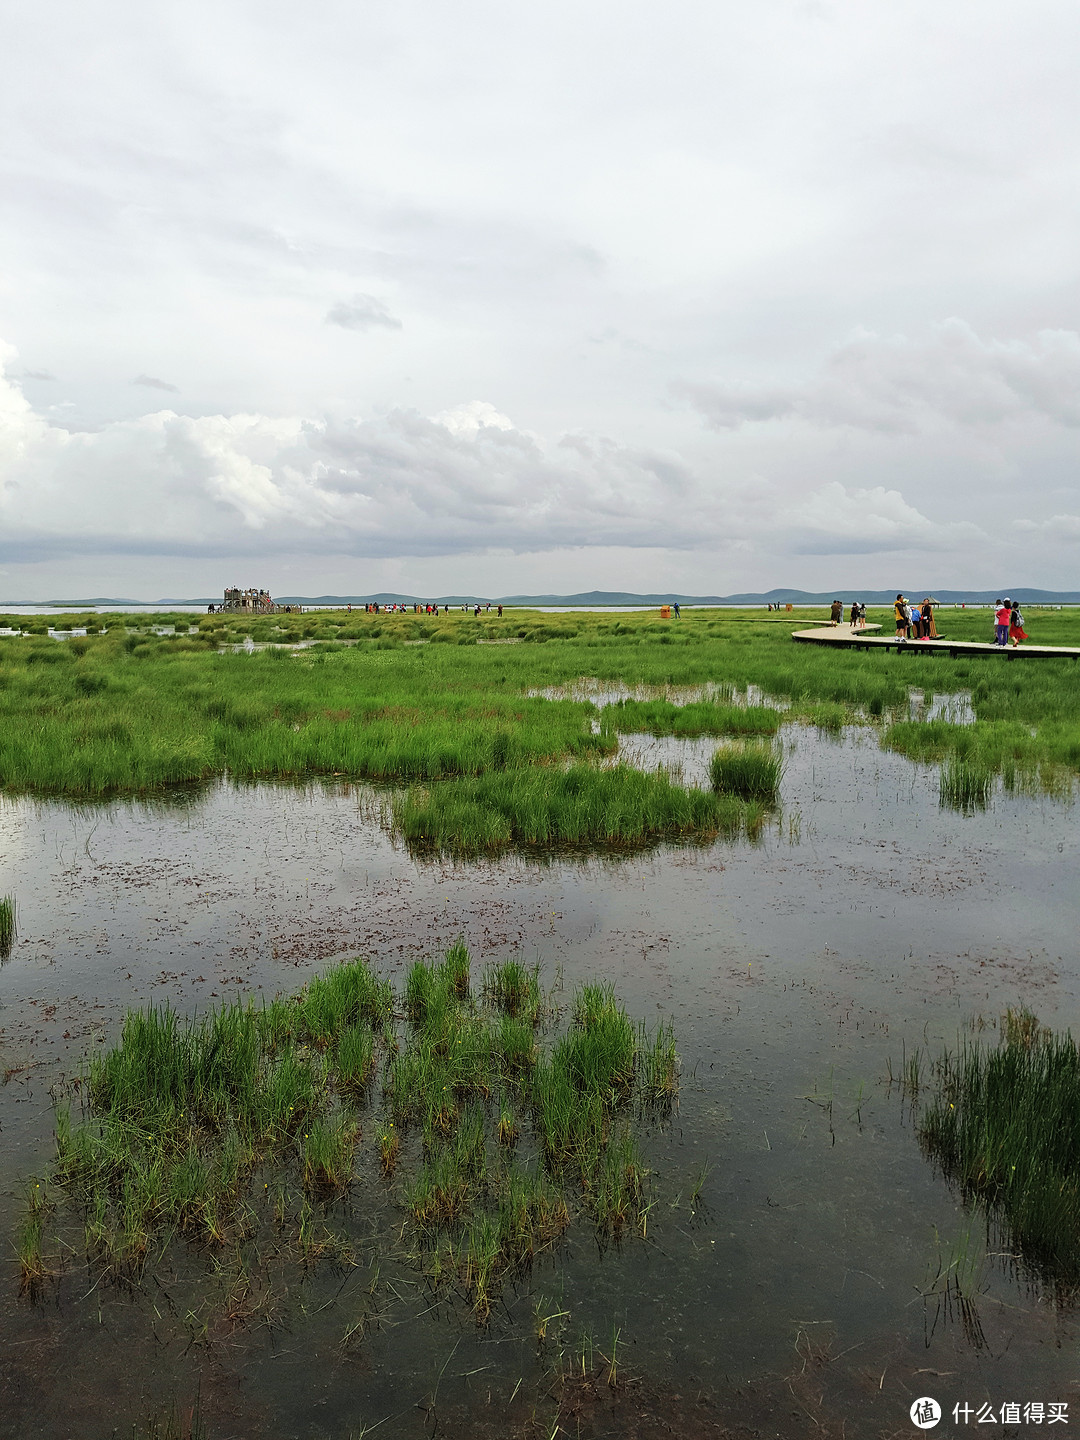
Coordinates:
836	613
1016	625
854	614
678	612
1002	614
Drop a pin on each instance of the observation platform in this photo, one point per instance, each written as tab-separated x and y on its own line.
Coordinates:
842	637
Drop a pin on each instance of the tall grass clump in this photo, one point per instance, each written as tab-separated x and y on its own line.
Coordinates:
965	786
1004	1125
750	771
582	804
515	989
8	927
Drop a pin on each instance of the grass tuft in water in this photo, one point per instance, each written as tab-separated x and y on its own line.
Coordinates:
509	1117
327	1152
1004	1125
515	989
8	925
965	786
750	771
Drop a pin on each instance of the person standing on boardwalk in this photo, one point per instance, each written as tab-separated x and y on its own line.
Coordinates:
853	614
1002	612
900	610
836	613
1016	625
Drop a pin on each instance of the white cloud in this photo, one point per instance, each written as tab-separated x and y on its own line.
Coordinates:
1057	528
836	520
465	481
469	420
896	384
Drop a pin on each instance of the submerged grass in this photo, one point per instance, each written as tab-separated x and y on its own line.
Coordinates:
1004	1125
518	1120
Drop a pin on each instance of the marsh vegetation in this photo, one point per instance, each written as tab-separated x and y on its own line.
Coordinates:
493	1117
8	925
421	701
1002	1121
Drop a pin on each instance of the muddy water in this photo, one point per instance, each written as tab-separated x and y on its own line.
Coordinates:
867	921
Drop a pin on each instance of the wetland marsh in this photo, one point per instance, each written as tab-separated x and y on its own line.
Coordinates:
196	834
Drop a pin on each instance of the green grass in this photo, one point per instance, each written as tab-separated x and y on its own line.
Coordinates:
493	1118
515	989
581	805
1003	1123
965	786
750	771
703	717
8	927
130	712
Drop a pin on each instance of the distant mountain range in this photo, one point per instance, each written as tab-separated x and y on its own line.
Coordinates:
614	598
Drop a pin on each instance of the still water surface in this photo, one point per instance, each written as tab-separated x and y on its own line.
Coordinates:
866	922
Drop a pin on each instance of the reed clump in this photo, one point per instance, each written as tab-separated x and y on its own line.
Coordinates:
508	1117
697	717
965	786
1003	1124
580	805
8	925
750	771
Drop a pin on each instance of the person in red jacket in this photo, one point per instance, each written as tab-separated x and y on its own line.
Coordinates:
1002	612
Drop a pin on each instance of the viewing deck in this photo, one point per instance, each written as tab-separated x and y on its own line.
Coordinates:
843	637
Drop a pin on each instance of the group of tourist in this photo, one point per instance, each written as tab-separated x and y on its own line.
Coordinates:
1008	624
256	601
914	622
856	615
398	607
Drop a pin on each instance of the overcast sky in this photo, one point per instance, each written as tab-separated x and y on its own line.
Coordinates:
703	296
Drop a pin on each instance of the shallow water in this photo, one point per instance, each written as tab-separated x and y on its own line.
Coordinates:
866	922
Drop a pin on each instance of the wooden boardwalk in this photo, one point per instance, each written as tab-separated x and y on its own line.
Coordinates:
844	638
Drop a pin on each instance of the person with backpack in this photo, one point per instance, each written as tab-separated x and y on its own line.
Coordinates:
1016	625
903	620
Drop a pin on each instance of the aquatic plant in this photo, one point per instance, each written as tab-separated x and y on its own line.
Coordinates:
582	804
515	989
753	772
697	717
8	926
134	712
1004	1125
507	1115
965	786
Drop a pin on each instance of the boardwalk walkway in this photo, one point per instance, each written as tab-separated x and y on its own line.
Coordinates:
844	638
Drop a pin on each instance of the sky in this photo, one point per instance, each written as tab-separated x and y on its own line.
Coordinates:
704	296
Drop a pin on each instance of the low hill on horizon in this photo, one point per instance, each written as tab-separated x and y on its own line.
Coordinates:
614	598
